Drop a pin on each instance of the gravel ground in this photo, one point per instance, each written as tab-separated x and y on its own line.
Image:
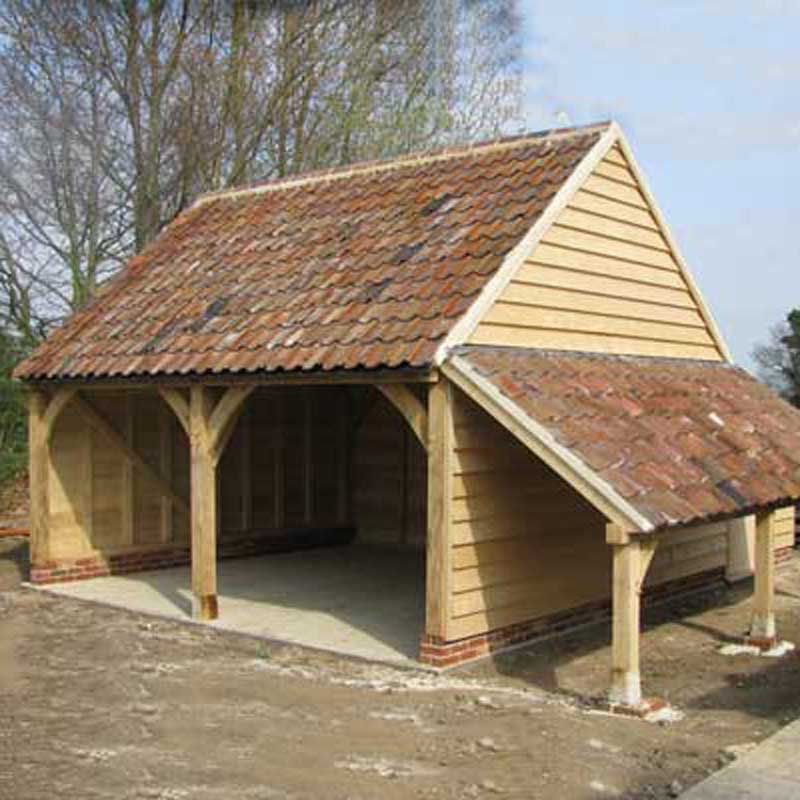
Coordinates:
98	703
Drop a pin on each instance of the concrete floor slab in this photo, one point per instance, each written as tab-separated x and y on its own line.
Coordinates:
769	772
356	600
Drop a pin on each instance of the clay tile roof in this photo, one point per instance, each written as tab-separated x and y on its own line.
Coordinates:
680	441
359	268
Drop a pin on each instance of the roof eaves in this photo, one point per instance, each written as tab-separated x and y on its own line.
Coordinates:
460	332
545	446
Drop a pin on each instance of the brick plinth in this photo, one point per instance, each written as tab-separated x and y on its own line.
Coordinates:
442	654
98	565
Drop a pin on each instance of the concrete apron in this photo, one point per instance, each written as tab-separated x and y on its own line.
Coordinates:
360	603
769	772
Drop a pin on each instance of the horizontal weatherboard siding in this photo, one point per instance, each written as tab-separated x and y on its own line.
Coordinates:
602	279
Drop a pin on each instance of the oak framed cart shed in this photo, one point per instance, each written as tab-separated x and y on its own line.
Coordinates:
494	354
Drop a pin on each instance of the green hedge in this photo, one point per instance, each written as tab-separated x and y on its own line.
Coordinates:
13	414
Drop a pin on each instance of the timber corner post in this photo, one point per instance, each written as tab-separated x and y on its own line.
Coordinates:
38	471
762	622
438	558
631	557
211	425
203	506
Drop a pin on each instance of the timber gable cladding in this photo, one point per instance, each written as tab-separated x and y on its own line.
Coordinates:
604	277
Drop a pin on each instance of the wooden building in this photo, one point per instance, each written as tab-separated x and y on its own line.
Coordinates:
494	354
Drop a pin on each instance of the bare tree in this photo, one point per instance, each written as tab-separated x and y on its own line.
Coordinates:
117	113
779	360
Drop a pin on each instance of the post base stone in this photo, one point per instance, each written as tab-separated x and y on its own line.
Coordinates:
644	708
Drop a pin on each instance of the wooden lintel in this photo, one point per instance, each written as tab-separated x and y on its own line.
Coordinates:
58	402
175	399
333	378
410	406
116	440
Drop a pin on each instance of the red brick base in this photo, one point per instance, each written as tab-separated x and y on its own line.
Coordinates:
98	565
439	653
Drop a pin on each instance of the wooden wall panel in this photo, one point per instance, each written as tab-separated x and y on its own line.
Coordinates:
603	279
147	441
294	462
688	551
112	514
785	528
181	473
266	420
70	487
297	442
390	478
525	544
328	451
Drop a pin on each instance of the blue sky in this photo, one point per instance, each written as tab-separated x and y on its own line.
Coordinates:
708	93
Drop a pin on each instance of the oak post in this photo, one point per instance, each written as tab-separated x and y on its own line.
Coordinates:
762	622
631	559
626	687
440	479
38	471
203	506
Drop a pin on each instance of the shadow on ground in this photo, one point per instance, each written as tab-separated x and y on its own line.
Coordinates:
14	562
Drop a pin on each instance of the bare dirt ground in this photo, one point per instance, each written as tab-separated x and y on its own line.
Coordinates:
14	504
98	703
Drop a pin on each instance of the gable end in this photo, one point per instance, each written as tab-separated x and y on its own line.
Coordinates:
605	276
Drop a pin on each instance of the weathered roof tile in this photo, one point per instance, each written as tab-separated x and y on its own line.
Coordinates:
681	441
368	266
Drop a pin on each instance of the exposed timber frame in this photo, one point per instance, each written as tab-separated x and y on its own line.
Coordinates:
439	551
410	406
762	621
210	427
631	559
38	475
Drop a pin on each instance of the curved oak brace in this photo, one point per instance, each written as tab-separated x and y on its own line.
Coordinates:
57	404
412	409
223	419
175	399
